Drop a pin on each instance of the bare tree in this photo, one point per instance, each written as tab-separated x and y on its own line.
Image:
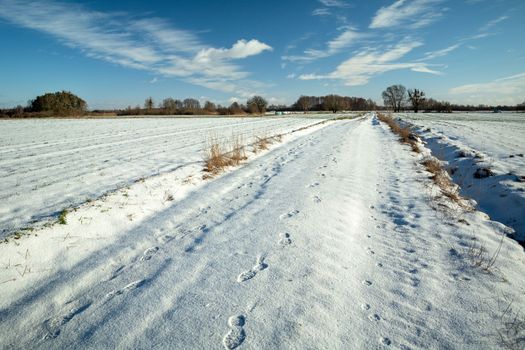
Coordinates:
209	107
257	104
191	104
149	104
303	103
333	103
394	97
416	97
235	108
170	105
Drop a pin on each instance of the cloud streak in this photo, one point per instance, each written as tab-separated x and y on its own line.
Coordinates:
150	44
439	53
335	3
409	13
348	38
508	90
359	69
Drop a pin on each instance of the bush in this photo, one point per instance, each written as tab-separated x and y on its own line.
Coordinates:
59	103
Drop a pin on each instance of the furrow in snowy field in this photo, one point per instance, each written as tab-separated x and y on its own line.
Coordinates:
328	240
48	165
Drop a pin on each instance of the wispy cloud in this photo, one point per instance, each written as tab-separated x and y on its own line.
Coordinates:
507	90
492	23
321	12
439	53
347	38
359	69
334	3
150	44
409	13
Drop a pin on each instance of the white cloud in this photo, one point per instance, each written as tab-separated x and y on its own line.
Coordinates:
439	53
492	23
150	44
241	49
359	69
346	39
334	3
409	13
508	90
321	12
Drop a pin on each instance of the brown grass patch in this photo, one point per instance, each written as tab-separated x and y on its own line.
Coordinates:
219	156
261	143
405	134
442	179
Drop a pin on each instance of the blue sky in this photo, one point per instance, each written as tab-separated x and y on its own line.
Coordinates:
117	53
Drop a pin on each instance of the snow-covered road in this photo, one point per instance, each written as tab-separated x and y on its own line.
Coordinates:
328	241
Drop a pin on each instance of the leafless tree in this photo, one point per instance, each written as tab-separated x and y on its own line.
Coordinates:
257	104
395	96
303	103
209	107
235	108
149	104
416	97
191	104
333	103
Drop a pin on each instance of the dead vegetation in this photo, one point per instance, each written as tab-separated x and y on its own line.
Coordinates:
220	155
442	179
512	328
434	166
479	256
261	143
405	134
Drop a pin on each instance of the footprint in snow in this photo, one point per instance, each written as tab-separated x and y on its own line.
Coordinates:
53	326
247	275
126	288
236	334
365	307
315	184
285	239
374	317
148	253
385	341
165	239
367	283
289	214
317	199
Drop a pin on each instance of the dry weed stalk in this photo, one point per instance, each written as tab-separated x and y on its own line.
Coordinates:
405	135
478	255
219	156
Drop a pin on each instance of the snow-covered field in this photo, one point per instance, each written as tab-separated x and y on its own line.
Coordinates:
51	164
472	141
328	240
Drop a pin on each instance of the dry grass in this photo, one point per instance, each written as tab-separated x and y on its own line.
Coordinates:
440	176
512	328
442	179
219	156
405	135
261	143
237	153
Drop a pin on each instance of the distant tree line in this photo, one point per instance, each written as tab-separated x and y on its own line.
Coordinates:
191	106
332	103
397	98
